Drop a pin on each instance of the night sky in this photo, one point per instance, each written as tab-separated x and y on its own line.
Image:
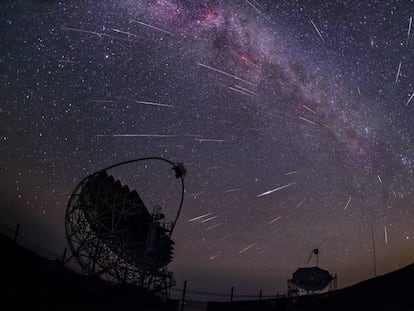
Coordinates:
310	99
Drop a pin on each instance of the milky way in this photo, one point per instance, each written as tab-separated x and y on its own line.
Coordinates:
293	120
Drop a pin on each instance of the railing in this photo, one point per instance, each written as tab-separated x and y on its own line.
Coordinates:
183	294
15	235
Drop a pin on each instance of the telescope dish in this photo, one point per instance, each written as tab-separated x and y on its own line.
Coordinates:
112	235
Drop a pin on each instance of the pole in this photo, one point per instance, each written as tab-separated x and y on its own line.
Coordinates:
232	294
16	233
64	255
373	248
260	295
183	297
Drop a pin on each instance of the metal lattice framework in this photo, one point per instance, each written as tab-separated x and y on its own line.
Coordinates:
310	280
113	236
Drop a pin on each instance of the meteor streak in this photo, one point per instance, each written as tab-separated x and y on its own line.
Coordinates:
166	145
199	217
93	33
225	73
291	173
201	140
300	203
274	220
140	135
258	4
152	27
409	29
398	74
246	248
317	30
232	190
244	89
211	218
213	226
153	104
309	109
240	91
127	33
254	7
347	203
214	168
81	30
307	120
101	101
308	135
274	190
409	100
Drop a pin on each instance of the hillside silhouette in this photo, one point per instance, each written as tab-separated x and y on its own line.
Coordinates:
31	281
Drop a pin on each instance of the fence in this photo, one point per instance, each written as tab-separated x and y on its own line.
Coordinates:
183	294
16	235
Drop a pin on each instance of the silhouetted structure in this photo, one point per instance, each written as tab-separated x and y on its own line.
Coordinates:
31	282
113	236
311	279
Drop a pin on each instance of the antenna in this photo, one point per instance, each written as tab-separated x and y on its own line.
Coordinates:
373	247
314	252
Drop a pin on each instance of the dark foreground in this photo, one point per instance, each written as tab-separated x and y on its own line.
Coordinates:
31	282
393	291
34	283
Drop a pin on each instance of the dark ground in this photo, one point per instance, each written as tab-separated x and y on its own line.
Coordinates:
392	291
35	283
32	282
